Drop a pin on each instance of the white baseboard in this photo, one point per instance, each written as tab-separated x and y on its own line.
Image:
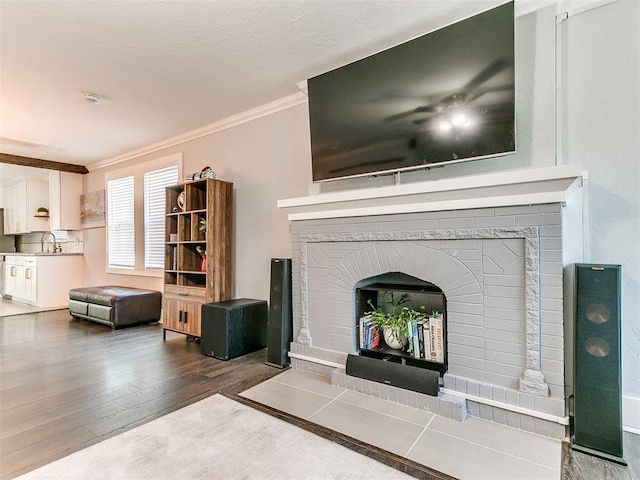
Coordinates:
631	414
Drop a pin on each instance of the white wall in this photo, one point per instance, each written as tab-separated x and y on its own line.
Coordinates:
269	158
600	107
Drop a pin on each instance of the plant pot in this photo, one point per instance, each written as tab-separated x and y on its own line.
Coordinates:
393	339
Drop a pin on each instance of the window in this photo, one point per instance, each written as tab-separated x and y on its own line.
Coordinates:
120	226
154	210
136	215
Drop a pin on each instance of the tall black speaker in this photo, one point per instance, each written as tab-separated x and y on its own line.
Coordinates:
597	405
280	327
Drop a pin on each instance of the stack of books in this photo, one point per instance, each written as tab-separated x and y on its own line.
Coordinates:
369	335
426	338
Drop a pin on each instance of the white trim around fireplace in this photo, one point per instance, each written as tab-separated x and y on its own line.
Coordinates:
506	406
319	361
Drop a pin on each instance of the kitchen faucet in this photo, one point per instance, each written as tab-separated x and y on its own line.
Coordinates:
42	242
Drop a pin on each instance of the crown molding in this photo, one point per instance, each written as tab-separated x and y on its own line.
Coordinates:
229	122
303	86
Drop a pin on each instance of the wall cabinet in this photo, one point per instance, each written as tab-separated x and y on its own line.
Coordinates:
198	251
21	202
65	190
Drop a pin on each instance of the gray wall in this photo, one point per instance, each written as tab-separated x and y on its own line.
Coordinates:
600	129
269	158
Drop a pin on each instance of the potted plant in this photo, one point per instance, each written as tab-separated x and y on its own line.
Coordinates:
392	319
42	211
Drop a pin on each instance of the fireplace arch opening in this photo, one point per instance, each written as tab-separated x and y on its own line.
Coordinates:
426	345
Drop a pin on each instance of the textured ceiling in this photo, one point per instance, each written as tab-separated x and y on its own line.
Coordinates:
164	68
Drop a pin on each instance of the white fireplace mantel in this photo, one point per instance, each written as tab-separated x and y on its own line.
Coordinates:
508	188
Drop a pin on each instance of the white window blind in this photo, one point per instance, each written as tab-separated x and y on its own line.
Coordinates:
155	183
120	226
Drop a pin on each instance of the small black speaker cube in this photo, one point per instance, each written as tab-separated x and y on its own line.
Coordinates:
233	328
597	404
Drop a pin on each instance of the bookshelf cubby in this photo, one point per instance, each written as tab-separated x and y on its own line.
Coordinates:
418	293
198	251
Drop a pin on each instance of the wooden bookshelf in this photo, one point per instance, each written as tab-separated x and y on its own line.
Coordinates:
199	218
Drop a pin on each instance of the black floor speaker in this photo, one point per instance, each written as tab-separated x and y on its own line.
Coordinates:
233	328
597	403
395	374
280	329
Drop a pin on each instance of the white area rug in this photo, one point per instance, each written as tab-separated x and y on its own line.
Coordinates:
216	438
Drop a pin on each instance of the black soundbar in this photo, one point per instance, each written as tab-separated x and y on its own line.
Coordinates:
412	378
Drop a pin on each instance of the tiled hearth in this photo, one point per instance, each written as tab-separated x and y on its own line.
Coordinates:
497	248
489	450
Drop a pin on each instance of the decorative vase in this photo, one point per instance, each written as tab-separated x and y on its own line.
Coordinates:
203	265
394	339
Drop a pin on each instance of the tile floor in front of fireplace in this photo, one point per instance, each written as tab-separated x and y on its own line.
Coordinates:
473	449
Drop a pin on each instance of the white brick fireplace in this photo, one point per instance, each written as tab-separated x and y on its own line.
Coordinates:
497	245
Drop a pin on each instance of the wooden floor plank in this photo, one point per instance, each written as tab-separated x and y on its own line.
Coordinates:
53	443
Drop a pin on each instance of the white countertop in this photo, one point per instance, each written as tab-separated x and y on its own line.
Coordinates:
40	254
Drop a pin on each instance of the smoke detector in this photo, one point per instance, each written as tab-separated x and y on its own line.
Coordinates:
93	98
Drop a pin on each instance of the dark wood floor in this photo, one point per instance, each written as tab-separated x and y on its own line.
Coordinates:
580	466
66	384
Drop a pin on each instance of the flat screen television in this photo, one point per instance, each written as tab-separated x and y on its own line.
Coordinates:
447	96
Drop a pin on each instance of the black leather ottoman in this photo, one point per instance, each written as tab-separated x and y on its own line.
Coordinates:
115	306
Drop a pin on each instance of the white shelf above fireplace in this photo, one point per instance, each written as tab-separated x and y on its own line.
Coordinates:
509	188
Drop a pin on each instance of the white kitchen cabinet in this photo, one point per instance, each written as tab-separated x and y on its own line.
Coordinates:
21	202
9	280
65	190
30	292
37	279
13	270
15	277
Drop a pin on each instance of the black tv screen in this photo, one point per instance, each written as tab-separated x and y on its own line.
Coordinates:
447	96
